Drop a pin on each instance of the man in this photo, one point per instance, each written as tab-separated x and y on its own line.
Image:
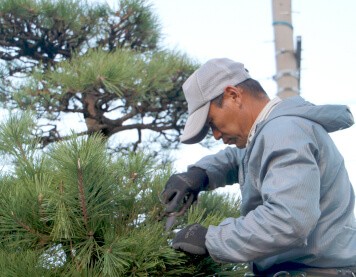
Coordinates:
297	200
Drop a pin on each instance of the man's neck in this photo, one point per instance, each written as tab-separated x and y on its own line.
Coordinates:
263	114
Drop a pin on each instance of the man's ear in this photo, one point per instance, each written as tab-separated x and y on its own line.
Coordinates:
233	93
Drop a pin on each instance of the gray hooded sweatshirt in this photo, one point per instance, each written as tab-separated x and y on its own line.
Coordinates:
297	199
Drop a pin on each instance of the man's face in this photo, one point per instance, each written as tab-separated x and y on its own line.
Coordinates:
227	122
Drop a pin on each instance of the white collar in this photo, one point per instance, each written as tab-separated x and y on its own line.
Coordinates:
262	116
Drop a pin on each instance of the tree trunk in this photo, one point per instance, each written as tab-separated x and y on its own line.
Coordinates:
287	76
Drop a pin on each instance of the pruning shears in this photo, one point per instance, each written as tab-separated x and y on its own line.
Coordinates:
190	198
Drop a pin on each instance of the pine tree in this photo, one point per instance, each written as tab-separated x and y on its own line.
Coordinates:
76	210
104	66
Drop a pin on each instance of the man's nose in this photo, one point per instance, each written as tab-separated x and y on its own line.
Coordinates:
217	134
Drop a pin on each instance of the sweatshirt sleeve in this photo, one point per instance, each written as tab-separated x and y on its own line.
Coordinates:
290	191
222	167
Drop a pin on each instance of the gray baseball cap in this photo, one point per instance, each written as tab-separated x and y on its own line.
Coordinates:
205	84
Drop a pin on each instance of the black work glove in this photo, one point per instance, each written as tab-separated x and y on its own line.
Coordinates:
191	240
180	185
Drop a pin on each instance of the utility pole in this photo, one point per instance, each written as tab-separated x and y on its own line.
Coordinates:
287	59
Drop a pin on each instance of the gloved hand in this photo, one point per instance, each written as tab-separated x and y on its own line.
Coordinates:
191	240
180	185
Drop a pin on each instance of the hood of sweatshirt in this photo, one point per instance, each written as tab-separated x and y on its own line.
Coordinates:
331	117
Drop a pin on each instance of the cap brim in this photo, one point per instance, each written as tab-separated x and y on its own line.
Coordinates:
195	129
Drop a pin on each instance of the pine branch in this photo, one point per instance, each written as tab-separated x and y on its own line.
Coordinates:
61	187
82	197
110	248
40	198
54	136
23	154
24	225
71	250
88	251
43	238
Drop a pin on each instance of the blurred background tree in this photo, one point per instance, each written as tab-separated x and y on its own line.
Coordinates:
74	210
103	66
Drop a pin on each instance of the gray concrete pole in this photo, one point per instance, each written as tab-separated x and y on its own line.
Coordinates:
287	76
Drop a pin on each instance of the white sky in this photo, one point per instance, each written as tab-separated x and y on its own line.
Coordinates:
242	30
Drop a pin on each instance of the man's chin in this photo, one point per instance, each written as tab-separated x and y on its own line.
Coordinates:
233	144
236	143
239	145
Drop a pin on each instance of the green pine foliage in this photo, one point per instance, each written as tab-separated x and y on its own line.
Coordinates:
76	210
